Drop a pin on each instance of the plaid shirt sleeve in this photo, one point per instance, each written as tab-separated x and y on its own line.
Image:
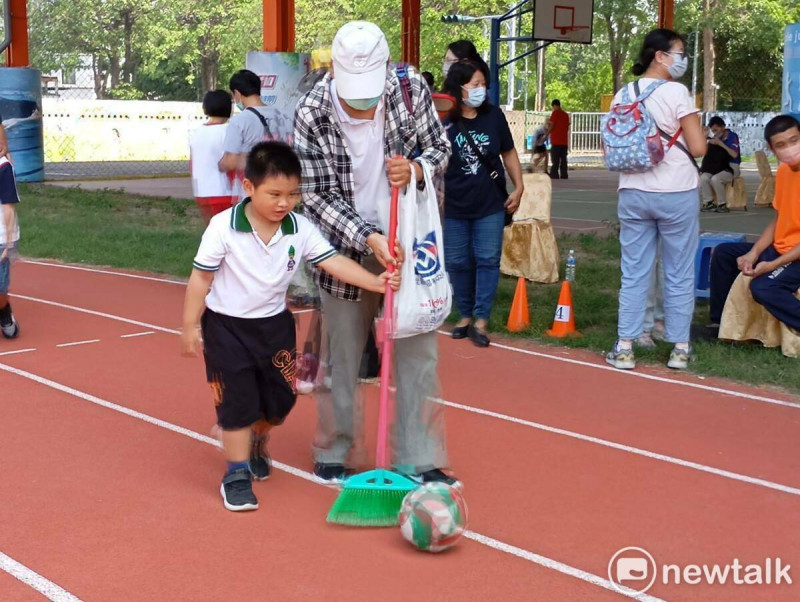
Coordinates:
322	195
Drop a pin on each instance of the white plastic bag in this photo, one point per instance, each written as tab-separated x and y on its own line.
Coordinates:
423	302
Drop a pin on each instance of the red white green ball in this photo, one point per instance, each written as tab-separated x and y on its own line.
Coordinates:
433	517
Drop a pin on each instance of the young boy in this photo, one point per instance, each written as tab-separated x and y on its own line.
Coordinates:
213	189
9	236
247	257
773	260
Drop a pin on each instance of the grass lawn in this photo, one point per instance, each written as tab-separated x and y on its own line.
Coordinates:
110	228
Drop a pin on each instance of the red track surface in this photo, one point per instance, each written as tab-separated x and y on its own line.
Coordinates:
110	507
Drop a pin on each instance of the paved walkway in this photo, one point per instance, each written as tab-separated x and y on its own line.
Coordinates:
586	203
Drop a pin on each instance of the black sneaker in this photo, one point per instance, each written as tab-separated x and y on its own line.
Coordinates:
8	324
330	474
437	476
723	208
237	491
260	463
709	206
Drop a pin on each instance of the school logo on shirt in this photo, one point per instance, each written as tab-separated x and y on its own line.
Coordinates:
427	264
290	265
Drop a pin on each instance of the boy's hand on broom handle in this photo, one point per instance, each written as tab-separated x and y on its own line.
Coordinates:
392	276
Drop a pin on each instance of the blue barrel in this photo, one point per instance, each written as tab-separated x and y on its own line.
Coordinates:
21	112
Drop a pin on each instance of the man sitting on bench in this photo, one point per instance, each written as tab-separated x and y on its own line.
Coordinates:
774	260
720	165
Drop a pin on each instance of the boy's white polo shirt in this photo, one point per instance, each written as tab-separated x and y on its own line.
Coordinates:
252	277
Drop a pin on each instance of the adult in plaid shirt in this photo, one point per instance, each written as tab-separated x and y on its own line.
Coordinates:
345	128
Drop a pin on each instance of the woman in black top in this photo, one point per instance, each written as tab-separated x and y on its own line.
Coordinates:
476	203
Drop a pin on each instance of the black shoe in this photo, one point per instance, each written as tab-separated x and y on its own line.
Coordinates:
478	338
435	475
330	474
722	209
237	491
709	206
460	332
260	463
8	324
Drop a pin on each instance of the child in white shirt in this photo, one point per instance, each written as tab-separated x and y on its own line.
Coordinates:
213	190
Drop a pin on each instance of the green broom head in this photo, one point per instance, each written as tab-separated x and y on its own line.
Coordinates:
371	499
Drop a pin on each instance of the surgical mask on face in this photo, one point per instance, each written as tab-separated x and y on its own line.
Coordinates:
680	63
446	67
789	155
240	105
363	104
475	97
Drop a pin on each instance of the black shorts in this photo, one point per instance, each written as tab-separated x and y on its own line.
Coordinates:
539	149
250	366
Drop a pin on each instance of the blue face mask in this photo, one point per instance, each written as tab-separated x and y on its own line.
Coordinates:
363	104
475	97
240	106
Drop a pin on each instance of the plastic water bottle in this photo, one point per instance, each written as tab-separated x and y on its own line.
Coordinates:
571	262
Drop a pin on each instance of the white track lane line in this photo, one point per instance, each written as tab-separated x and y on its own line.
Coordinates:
107	272
498	345
625	373
137	334
75	343
631	373
18	351
47	588
587	438
626	448
484	540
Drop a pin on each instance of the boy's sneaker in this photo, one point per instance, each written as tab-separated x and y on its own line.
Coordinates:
621	359
260	462
709	206
436	475
330	474
679	358
8	324
237	491
723	208
645	341
659	331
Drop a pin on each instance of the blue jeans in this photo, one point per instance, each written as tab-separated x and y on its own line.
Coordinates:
472	250
647	218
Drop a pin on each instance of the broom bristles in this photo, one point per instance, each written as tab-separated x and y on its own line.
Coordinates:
371	499
366	508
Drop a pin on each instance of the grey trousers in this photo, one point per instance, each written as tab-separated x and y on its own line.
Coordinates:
417	435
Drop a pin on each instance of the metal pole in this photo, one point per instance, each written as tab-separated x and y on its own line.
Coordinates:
494	71
694	67
512	51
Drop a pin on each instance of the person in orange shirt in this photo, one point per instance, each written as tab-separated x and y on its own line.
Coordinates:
774	260
559	141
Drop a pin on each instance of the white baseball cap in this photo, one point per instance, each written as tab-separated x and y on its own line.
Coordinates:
360	55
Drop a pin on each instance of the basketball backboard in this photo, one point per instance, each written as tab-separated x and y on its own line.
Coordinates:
563	21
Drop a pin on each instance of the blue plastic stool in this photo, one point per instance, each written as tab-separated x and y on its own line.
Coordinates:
702	261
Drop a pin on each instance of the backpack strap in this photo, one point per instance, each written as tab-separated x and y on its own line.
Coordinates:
671	140
263	121
405	86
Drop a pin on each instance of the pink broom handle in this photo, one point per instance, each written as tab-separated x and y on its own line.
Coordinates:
381	455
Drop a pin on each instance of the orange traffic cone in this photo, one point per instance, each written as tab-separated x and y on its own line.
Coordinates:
564	321
519	318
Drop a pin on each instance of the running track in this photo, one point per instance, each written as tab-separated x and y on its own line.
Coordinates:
110	481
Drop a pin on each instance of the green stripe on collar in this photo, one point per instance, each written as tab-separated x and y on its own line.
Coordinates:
289	224
239	221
